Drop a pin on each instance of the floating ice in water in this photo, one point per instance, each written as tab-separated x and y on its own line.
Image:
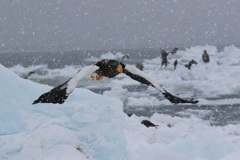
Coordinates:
218	77
27	72
181	138
108	55
92	126
213	84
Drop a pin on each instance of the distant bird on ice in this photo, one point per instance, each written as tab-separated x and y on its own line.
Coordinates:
175	64
164	55
205	57
189	65
147	123
139	66
104	68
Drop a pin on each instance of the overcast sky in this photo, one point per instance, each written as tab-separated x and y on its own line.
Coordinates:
113	24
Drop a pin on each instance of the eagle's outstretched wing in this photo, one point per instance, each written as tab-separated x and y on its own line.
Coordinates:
141	77
60	93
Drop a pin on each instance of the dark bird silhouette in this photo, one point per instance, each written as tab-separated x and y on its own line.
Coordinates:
147	123
189	65
130	114
139	66
164	58
104	68
30	73
175	64
165	54
205	57
173	51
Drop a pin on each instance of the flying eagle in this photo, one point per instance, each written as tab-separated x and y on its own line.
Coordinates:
104	68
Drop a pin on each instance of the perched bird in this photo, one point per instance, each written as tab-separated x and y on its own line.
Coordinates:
104	68
147	123
173	51
130	114
164	55
189	65
205	57
164	58
175	64
139	66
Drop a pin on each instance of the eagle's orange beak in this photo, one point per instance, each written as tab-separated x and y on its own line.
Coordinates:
120	69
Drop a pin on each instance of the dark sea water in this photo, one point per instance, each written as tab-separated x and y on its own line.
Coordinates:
215	114
61	59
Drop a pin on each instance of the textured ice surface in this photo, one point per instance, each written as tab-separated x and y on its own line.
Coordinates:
93	126
87	120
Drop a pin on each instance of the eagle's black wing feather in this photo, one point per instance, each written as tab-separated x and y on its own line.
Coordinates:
139	76
56	95
60	93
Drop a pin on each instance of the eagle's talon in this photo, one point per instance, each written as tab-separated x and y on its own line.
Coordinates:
92	77
99	77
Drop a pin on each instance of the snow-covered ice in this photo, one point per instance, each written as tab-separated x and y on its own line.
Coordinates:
93	126
88	121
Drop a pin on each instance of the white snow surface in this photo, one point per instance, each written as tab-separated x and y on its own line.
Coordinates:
47	131
97	126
